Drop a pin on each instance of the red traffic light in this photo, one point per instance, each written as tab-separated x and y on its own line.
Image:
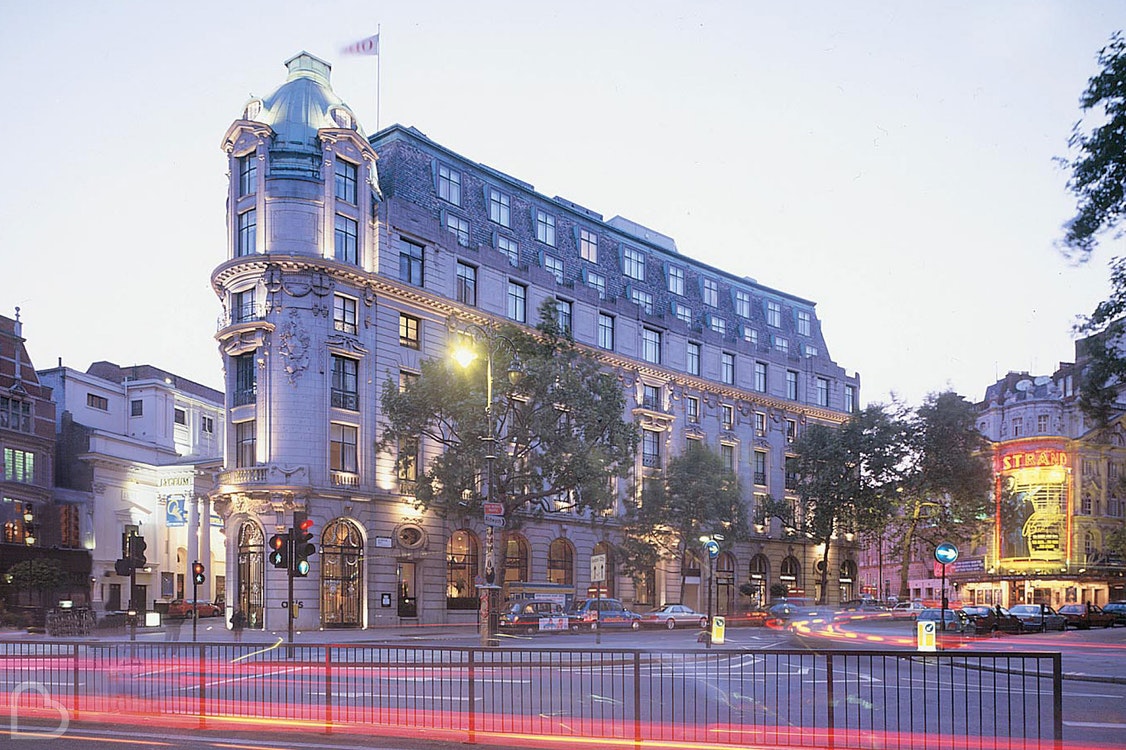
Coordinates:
306	524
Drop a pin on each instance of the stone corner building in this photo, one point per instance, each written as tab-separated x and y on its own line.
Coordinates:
348	256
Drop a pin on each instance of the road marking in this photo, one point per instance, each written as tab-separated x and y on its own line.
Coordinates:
1094	725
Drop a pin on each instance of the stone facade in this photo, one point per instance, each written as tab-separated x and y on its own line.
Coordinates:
350	260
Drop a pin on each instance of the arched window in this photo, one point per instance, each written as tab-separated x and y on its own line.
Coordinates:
515	558
604	548
461	570
561	562
725	583
251	574
342	575
790	573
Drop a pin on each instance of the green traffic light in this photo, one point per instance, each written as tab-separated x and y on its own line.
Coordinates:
302	567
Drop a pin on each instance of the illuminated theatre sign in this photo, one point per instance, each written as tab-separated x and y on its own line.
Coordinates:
1032	502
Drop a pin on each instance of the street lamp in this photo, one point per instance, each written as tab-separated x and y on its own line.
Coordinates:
711	547
465	355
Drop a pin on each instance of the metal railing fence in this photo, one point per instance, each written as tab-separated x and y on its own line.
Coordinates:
791	698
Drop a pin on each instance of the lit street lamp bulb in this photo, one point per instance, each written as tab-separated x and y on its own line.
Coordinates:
464	356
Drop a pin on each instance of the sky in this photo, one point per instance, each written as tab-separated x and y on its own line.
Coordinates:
896	163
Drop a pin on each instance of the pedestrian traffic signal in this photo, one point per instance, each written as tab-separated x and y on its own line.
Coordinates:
137	547
279	550
197	573
303	545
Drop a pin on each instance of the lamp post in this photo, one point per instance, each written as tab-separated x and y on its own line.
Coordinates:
465	355
711	546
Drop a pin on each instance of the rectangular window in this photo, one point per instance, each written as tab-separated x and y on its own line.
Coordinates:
517	302
545	228
760	424
719	325
408	461
822	391
644	300
207	425
650	449
652	397
243	307
774	314
344	314
94	401
563	312
791	385
597	282
791	430
449	185
410	263
466	284
136	408
554	266
499	208
606	331
760	377
727	453
246	444
727	368
760	467
588	245
742	303
247	174
633	264
346	173
408	331
651	345
179	416
682	312
345	383
693	358
1041	423
711	293
406	380
676	280
19	466
247	240
342	448
782	344
804	326
810	351
692	409
345	239
16	414
459	228
850	398
509	248
750	335
1018	426
727	415
246	379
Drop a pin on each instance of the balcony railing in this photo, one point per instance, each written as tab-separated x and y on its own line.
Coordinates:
244	396
760	477
651	460
345	400
791	481
246	475
344	478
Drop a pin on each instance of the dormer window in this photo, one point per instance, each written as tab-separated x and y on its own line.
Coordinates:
342	118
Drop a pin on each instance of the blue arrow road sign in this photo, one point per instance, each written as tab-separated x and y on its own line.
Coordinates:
946	553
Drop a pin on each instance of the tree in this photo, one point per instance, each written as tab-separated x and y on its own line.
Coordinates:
41	577
845	478
560	436
695	495
945	491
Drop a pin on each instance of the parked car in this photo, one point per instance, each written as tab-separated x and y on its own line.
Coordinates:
602	613
1039	617
183	608
533	616
672	615
995	619
1086	615
956	620
907	610
1118	609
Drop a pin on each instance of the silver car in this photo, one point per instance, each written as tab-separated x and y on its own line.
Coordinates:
672	615
1039	617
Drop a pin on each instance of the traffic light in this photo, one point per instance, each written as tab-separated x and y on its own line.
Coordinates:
279	550
137	547
122	567
303	545
197	573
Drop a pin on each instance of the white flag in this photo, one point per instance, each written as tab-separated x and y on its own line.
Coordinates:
369	46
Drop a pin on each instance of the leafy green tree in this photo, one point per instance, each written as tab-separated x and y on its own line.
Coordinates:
945	492
41	576
560	436
695	495
845	478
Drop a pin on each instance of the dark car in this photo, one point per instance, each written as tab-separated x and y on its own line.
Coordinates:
602	613
672	615
1118	609
1039	617
995	619
787	616
1085	616
956	620
533	616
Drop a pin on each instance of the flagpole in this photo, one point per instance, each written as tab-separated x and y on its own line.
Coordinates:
378	66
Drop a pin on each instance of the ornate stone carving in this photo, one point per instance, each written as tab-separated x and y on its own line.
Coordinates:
293	346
